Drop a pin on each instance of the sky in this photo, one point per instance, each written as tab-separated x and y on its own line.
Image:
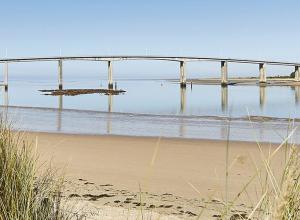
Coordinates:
256	29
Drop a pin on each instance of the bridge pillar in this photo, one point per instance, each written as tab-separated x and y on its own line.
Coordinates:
297	74
224	73
182	74
110	77
262	73
5	81
60	74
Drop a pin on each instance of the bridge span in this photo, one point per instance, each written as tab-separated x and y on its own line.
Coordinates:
182	60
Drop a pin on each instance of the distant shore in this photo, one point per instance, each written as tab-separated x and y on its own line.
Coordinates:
168	171
271	81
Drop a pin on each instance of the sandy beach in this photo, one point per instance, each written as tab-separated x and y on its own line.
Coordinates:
112	170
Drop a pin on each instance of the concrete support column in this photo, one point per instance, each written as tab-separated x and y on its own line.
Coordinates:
182	74
297	74
5	75
262	73
110	77
60	74
224	73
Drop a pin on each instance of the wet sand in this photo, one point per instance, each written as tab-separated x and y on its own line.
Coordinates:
171	173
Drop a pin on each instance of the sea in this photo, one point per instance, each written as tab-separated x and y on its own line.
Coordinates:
156	108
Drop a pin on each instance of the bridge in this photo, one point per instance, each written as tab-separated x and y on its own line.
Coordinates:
182	60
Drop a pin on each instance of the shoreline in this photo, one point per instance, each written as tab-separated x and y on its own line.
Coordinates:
255	118
263	129
140	137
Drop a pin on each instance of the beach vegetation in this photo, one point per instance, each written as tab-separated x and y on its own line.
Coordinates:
27	191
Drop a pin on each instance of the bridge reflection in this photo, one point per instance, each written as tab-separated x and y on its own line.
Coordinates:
183	94
182	100
182	110
5	102
224	98
110	110
59	112
297	94
5	96
262	96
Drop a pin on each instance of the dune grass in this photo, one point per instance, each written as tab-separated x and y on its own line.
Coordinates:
26	192
278	190
281	195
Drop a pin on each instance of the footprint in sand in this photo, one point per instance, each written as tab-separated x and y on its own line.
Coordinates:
74	195
88	183
106	185
96	197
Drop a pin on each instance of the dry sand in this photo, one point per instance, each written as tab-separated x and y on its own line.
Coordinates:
177	177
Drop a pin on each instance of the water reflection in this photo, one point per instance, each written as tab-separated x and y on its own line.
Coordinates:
5	96
110	109
224	130
262	96
5	101
59	112
224	98
297	94
150	125
108	124
182	110
182	100
110	103
182	129
163	112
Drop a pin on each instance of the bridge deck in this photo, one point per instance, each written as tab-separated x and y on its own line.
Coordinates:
161	58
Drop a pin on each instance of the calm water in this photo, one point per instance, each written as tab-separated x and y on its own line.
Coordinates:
163	97
153	108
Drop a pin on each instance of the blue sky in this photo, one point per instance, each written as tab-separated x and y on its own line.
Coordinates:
255	29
